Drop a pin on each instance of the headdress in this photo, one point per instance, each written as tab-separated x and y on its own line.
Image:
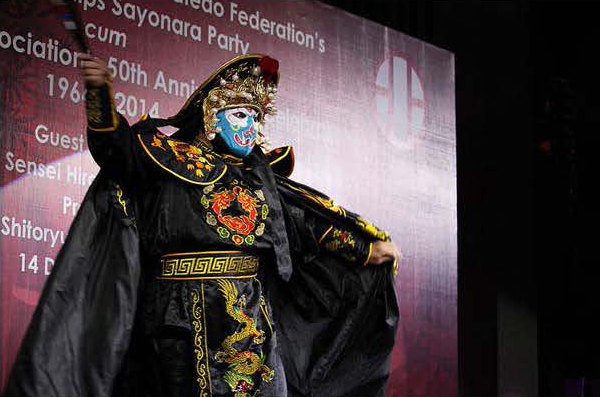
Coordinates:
245	81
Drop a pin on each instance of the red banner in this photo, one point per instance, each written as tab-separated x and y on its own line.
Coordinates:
369	111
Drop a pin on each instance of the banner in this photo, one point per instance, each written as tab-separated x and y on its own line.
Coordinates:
370	113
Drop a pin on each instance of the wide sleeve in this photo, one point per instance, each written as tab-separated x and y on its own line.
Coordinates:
113	143
330	227
336	320
81	329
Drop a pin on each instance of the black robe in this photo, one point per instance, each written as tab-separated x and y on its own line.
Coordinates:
107	325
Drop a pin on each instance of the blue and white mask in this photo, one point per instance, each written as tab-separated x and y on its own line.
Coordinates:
239	128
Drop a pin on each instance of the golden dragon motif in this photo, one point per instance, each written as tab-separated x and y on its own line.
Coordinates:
242	364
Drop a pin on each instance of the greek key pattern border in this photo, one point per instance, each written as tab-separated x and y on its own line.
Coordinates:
209	266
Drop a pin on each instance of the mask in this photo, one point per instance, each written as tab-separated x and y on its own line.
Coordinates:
239	129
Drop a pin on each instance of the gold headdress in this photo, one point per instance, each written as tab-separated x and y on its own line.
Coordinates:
245	81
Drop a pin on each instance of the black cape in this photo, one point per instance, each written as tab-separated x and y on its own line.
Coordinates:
336	321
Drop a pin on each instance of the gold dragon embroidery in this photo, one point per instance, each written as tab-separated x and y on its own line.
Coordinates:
242	364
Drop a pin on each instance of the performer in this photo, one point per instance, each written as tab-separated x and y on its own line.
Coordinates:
195	267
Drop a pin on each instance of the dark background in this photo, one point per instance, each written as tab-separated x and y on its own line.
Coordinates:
527	133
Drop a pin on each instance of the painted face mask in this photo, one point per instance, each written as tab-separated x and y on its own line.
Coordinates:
239	129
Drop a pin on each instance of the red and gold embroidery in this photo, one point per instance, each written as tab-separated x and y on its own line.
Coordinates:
340	238
341	242
244	366
236	212
242	224
345	244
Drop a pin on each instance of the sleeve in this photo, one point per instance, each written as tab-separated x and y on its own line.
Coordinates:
112	141
97	271
330	304
334	229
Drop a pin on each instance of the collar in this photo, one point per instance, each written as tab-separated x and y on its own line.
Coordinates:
188	162
199	164
282	160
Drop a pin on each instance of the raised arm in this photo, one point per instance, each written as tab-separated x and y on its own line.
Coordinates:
111	140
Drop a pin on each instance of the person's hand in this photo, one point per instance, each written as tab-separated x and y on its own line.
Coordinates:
384	251
95	71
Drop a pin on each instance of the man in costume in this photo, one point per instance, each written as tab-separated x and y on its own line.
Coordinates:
195	267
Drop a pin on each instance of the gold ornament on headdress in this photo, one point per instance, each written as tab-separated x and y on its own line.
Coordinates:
239	86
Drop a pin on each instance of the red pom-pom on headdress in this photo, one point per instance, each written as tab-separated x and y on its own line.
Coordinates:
268	68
